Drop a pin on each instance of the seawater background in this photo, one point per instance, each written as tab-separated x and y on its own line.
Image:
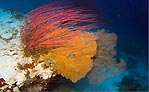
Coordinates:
128	19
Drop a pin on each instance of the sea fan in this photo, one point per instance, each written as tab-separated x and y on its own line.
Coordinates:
60	32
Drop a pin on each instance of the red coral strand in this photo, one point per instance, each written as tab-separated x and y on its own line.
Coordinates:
53	25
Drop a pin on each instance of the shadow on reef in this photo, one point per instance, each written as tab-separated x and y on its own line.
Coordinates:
59	83
132	83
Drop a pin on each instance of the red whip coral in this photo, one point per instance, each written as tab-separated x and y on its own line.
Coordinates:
43	27
60	32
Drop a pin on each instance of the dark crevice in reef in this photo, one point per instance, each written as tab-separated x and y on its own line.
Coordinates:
58	83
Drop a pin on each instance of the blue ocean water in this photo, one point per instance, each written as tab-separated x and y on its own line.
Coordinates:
128	19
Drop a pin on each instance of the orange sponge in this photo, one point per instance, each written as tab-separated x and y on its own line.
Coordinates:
73	61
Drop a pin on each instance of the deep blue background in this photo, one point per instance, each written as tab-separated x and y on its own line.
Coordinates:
127	18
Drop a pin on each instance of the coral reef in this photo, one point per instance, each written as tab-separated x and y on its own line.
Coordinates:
55	34
51	42
16	69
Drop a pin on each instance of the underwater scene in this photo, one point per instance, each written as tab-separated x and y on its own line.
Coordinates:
74	45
